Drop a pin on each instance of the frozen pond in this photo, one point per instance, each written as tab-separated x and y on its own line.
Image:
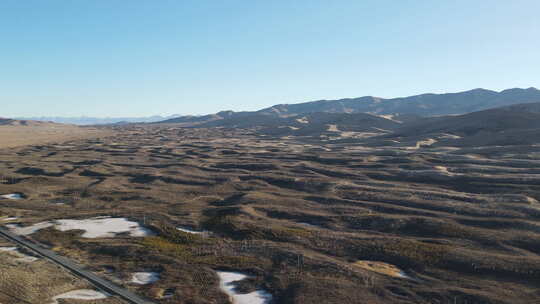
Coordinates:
94	227
81	294
12	196
226	283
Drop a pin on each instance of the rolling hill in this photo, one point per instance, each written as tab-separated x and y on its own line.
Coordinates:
424	105
409	108
516	125
309	124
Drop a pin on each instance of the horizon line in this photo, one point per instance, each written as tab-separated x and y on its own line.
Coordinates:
35	117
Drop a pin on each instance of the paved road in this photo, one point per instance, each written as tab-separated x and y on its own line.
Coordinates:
76	269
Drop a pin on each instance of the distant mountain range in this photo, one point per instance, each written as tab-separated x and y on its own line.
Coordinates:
16	122
424	105
419	105
83	120
472	118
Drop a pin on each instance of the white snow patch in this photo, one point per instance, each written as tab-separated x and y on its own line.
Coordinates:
427	142
423	143
303	120
390	117
332	128
81	294
308	225
402	274
444	170
187	230
21	256
26	258
450	136
143	278
6	249
93	227
12	196
17	229
103	227
7	219
290	127
226	283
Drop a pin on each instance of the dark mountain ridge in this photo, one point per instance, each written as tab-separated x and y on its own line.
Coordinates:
418	105
494	120
424	104
515	124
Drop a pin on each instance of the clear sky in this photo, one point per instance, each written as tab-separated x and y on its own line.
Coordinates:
139	58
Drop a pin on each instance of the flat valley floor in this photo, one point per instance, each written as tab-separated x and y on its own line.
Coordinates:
42	133
307	219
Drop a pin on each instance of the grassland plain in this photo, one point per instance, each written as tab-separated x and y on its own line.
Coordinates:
16	133
310	219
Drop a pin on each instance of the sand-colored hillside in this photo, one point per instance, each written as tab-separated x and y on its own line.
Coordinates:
15	133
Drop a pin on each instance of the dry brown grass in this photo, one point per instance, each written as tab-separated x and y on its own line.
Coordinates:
42	133
380	267
37	282
294	213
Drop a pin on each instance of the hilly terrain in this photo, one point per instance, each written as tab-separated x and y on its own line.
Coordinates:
309	124
424	105
305	208
510	125
419	105
308	219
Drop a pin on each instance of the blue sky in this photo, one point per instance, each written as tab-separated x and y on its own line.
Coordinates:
139	58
